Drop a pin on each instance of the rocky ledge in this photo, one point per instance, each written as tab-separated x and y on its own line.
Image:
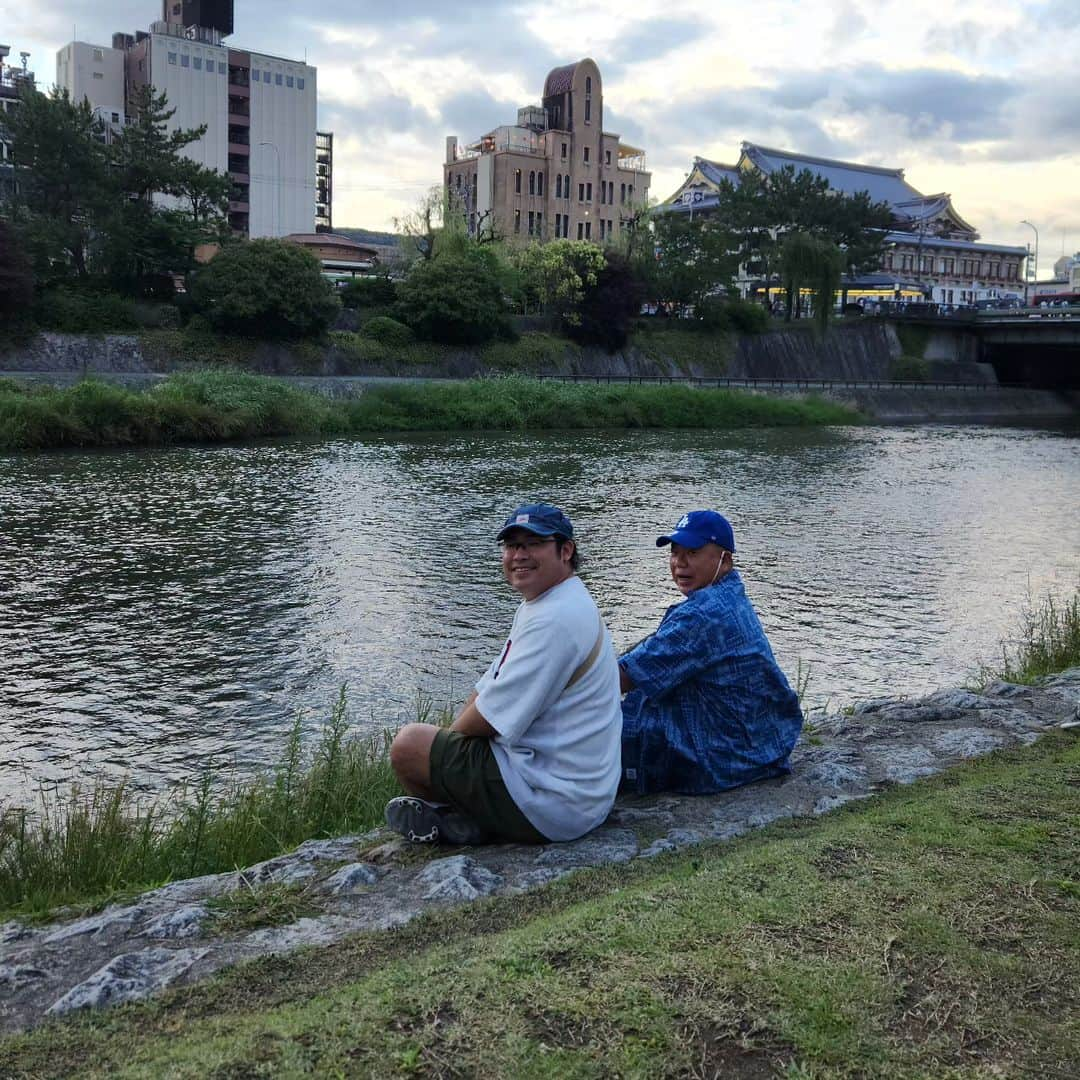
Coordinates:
173	935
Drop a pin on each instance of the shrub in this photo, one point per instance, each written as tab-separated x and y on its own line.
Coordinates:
723	314
387	331
456	297
265	289
16	276
84	312
378	291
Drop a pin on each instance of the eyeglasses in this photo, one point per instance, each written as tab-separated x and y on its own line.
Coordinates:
531	544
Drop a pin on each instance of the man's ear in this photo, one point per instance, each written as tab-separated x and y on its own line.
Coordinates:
565	555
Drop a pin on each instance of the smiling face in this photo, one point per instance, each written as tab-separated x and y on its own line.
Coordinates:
533	564
694	568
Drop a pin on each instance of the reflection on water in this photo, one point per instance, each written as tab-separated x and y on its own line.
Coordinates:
160	610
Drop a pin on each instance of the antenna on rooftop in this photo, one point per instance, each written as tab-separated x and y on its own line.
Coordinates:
25	56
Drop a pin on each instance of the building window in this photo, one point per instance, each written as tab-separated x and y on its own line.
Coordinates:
950	266
564	151
601	228
517	181
254	75
277	79
588	110
585	155
539	183
532	222
172	58
459	181
588	230
622	193
580	231
558	185
266	76
607	157
209	67
185	60
221	68
299	84
517	221
566	187
197	63
532	185
630	192
588	192
98	75
289	81
99	55
588	84
581	193
539	223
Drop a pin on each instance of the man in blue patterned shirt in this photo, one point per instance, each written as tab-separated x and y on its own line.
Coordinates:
706	707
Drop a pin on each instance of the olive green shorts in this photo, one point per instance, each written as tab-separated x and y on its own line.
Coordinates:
465	774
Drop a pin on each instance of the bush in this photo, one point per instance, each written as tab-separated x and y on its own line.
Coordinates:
84	312
16	276
369	292
456	297
265	289
724	314
387	331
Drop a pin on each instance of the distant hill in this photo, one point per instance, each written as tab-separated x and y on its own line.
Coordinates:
369	236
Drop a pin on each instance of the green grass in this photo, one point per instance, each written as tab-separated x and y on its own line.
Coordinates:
218	405
84	847
689	348
1048	641
928	933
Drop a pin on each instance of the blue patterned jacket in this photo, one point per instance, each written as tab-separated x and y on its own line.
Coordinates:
710	709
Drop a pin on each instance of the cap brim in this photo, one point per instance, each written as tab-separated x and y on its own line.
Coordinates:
683	536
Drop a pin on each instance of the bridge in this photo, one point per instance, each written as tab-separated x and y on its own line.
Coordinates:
1038	347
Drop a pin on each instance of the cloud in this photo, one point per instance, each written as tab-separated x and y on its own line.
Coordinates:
653	38
475	112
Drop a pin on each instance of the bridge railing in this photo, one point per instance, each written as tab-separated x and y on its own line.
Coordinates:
783	384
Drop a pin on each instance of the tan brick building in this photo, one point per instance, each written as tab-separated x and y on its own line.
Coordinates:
555	173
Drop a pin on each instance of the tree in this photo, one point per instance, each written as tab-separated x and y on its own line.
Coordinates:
419	227
265	288
456	297
694	257
808	262
64	185
16	276
555	276
608	308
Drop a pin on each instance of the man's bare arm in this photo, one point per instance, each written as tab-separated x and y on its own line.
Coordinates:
471	722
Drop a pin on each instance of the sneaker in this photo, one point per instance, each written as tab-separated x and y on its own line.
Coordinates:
423	822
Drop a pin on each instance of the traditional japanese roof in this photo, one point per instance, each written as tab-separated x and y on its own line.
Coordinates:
559	80
715	172
931	241
883	185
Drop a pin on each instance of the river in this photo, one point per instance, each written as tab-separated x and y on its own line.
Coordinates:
163	610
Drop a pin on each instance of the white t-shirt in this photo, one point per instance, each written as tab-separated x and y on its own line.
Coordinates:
558	749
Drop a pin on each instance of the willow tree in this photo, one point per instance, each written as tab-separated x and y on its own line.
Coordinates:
807	262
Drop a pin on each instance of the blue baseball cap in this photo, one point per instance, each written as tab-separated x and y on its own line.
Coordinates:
540	518
698	528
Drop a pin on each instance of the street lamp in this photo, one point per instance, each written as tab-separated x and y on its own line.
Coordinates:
277	186
1034	275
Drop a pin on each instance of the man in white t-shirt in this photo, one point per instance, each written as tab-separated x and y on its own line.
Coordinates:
534	754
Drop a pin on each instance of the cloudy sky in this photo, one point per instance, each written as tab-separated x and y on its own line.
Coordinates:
978	99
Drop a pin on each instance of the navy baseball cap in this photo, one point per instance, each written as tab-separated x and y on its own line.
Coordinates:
540	518
698	528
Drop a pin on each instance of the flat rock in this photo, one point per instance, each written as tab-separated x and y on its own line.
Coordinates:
323	930
967	742
129	977
598	848
350	878
457	878
184	922
109	919
199	888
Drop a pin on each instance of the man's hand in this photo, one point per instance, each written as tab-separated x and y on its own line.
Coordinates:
470	721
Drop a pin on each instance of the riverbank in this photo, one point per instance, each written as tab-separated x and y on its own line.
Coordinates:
929	931
216	406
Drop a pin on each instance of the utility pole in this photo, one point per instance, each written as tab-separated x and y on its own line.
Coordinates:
1032	273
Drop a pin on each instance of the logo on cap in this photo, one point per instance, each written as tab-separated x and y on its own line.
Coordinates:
521	519
683	521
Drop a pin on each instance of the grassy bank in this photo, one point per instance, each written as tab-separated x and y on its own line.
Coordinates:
80	847
214	406
929	933
1048	641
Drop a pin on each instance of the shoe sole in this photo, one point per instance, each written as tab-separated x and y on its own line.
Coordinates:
412	818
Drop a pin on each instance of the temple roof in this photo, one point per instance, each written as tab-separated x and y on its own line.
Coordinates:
883	185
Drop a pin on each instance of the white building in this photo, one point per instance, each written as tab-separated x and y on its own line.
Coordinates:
259	110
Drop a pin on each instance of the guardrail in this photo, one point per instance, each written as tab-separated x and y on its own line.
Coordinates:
783	384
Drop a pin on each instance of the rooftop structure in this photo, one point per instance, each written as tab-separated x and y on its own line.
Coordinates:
12	81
